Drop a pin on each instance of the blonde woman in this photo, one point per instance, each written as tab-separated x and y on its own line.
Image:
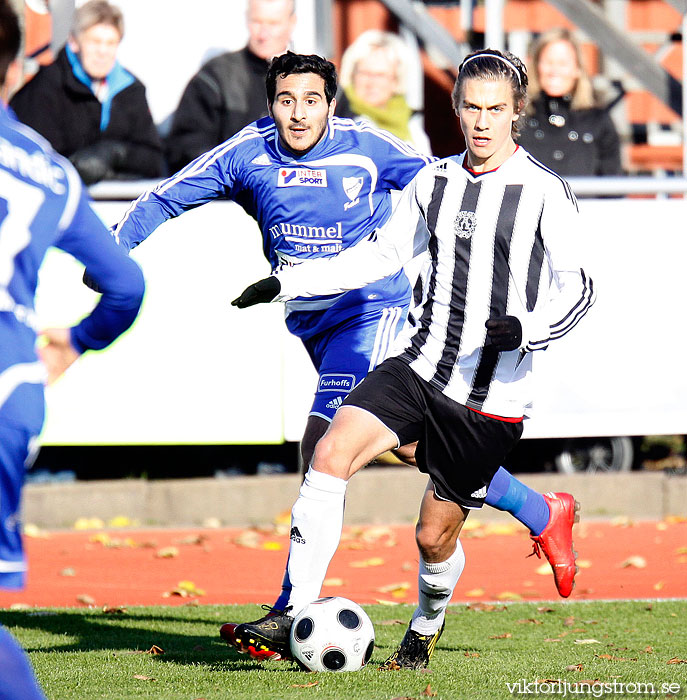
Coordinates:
564	127
374	71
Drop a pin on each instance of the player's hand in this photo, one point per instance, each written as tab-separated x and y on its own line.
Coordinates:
90	282
504	333
56	352
261	292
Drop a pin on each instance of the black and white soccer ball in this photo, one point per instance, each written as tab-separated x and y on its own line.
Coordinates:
332	634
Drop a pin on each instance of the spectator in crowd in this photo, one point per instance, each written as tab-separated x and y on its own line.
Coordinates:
374	71
43	204
226	94
90	108
564	127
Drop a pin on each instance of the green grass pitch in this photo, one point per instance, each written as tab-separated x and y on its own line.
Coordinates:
576	649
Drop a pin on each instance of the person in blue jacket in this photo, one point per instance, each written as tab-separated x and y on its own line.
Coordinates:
42	203
318	184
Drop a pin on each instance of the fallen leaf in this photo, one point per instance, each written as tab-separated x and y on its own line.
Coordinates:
100	538
475	593
212	523
118	610
427	692
508	595
503	529
31	530
681	550
658	586
397	590
20	606
69	571
574	667
191	539
544	570
85	599
373	561
544	609
155	650
474	654
587	641
530	621
486	607
505	635
120	521
89	524
306	685
675	660
388	603
271	546
584	563
569	621
333	582
648	650
553	640
636	561
167	553
622	521
139	677
248	538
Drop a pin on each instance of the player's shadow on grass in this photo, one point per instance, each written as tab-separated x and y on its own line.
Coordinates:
195	641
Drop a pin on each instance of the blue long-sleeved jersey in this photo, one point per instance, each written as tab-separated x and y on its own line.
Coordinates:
313	206
43	204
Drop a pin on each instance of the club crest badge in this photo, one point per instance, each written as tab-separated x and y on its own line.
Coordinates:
465	224
352	187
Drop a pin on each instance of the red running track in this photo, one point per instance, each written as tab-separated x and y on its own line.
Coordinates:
113	567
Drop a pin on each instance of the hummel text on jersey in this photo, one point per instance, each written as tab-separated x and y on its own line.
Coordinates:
296	536
310	239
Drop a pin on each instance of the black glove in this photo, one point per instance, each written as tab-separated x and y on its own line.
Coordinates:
261	292
99	161
504	333
90	282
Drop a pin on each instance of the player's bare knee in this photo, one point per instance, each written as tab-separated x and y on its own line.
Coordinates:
330	457
435	543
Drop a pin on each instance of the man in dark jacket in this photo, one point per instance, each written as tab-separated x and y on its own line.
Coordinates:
228	91
90	108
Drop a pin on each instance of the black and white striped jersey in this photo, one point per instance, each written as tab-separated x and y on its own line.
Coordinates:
495	243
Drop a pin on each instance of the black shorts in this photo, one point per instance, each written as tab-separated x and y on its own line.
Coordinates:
460	449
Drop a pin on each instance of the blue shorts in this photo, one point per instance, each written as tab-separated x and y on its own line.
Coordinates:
16	451
345	354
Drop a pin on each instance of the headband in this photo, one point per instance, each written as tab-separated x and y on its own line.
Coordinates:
497	57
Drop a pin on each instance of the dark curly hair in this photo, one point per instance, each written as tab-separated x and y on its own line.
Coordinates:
490	64
289	63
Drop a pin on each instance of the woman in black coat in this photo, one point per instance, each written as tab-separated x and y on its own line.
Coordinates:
563	127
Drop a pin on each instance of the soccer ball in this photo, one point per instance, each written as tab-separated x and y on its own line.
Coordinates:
332	634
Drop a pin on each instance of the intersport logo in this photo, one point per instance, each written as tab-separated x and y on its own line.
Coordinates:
301	177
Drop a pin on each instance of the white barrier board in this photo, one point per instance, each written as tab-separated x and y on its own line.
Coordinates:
194	370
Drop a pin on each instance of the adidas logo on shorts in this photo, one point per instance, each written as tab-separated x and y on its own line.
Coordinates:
334	403
296	536
480	493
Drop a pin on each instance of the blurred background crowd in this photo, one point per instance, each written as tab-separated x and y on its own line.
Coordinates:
137	90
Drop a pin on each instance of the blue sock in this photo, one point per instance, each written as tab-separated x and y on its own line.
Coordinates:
16	675
283	599
528	506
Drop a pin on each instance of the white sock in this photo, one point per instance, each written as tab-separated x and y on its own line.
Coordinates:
436	583
316	522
